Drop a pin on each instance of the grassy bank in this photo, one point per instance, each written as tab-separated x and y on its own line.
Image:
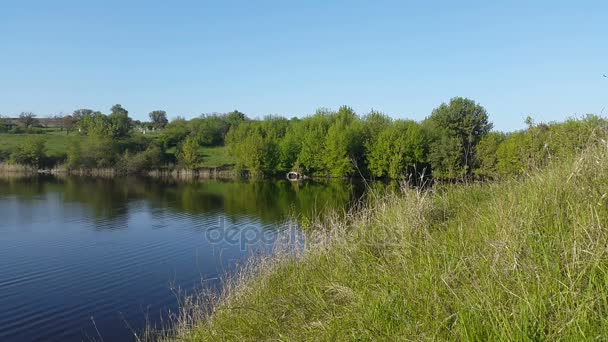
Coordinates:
50	150
520	260
56	142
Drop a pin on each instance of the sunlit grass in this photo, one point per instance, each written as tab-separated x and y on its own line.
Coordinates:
56	141
520	260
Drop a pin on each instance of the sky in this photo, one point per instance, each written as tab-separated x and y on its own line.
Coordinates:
516	58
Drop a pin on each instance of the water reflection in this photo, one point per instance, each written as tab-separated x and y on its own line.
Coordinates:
268	201
73	248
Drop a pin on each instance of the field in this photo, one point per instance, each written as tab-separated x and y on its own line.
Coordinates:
57	142
524	259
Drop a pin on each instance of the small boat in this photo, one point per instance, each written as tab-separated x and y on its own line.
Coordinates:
294	176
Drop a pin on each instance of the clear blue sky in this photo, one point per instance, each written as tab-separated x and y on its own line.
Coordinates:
544	58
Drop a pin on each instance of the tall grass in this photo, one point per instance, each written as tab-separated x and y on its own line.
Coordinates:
10	169
524	259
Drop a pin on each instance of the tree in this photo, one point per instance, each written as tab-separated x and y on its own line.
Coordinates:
79	114
118	109
96	151
27	119
210	129
254	145
511	154
188	153
119	123
31	152
400	150
235	117
456	129
311	133
487	154
174	133
94	123
158	118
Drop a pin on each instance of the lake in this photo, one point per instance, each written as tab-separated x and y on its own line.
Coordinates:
92	259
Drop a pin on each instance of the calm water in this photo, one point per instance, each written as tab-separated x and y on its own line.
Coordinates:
76	250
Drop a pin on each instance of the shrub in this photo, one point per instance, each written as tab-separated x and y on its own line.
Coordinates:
31	152
94	152
188	153
132	163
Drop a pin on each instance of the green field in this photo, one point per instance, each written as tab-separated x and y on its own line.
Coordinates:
57	142
520	260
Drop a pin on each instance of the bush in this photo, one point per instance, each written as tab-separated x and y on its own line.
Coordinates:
31	152
4	155
188	153
133	163
94	152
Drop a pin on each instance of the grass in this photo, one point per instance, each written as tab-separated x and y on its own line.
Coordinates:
216	156
213	156
56	142
525	259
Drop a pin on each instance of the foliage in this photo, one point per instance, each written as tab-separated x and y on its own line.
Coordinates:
31	152
487	154
94	152
455	130
119	123
343	146
158	118
188	153
510	261
398	151
453	143
254	145
134	163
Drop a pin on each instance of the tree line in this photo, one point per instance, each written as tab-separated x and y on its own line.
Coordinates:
455	141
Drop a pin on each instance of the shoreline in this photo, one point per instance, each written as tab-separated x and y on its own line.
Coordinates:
472	262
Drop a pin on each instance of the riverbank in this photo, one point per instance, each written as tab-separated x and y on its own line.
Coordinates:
517	260
12	170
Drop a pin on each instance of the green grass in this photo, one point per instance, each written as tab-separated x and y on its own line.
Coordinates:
56	141
521	260
214	156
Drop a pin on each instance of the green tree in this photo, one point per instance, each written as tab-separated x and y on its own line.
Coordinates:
31	152
343	146
255	146
96	151
235	117
455	130
188	153
94	123
158	118
174	133
210	130
399	150
487	155
512	154
119	123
